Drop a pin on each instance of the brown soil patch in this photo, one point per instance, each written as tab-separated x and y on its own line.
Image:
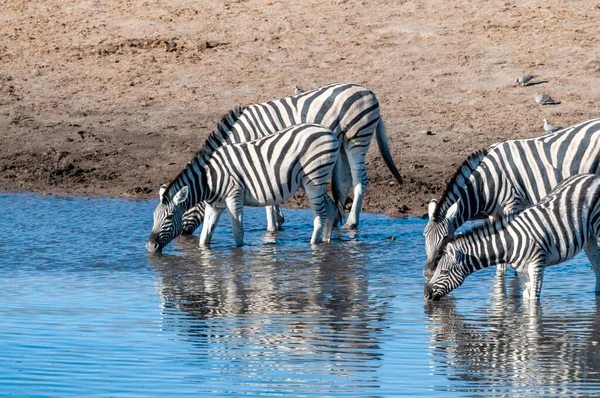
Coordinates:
113	97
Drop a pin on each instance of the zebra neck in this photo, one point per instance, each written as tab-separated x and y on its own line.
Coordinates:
194	177
483	249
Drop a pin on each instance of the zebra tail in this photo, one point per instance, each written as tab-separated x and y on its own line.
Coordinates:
384	149
341	210
338	197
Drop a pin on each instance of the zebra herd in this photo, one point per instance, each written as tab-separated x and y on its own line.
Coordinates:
556	174
543	193
261	154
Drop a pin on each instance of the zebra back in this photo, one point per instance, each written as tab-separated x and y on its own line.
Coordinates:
271	168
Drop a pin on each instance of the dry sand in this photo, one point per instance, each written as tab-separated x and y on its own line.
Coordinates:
112	98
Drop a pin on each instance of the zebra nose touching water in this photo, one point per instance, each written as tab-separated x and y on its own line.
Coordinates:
551	232
509	177
263	172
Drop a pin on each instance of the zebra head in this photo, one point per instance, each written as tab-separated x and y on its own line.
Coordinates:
167	219
437	229
449	274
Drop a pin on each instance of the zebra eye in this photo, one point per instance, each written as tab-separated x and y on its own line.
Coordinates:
444	272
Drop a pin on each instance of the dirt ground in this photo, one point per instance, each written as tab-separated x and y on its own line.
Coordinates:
113	97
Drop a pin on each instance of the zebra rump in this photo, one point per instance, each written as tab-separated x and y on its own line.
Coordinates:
551	232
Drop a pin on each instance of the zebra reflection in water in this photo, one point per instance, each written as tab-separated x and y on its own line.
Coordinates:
516	346
281	305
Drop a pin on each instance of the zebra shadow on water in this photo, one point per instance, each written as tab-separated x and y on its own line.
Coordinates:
271	307
516	346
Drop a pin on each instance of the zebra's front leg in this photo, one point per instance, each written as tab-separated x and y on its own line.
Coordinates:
531	277
235	206
211	218
272	224
501	269
592	252
274	218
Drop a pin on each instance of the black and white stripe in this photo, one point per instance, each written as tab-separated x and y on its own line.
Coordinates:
509	177
349	110
554	230
262	172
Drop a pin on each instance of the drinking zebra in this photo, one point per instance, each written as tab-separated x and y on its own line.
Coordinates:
509	177
262	172
552	231
349	110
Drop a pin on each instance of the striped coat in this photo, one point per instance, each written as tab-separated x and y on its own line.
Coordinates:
551	232
349	110
262	172
509	177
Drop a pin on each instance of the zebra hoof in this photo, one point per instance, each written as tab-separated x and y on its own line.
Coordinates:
350	226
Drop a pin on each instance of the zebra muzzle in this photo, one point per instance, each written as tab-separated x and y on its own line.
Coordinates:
152	246
431	295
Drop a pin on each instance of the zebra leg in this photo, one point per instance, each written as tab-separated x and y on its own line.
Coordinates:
501	269
592	252
235	206
356	159
211	218
332	213
318	204
341	181
272	224
274	218
531	277
279	216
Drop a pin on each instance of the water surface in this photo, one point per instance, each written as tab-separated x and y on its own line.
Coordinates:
86	311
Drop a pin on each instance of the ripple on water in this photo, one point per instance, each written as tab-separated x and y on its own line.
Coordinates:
85	310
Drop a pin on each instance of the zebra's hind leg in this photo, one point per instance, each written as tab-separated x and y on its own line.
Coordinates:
332	213
211	218
354	215
592	252
341	181
317	198
356	160
531	277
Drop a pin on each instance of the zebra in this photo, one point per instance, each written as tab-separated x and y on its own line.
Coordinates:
508	177
262	172
351	111
553	231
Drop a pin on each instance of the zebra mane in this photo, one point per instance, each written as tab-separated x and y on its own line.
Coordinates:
215	140
495	224
463	172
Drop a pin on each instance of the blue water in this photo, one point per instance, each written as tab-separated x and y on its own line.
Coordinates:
86	311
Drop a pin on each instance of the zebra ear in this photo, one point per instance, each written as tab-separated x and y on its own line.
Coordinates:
451	213
161	193
431	208
181	196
